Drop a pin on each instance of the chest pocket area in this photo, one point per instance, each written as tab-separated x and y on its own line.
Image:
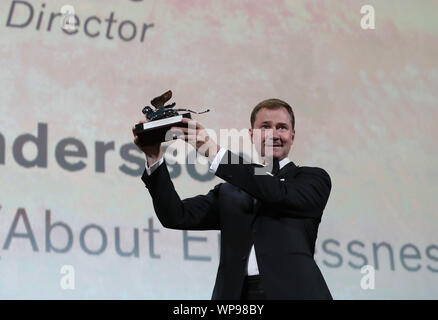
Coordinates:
238	200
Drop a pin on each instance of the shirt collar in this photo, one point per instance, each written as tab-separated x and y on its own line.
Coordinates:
283	162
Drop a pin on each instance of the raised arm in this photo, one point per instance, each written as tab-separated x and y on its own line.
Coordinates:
196	213
302	195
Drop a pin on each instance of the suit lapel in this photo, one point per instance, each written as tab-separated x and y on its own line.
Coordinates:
288	168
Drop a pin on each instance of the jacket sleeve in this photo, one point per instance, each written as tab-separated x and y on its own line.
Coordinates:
304	195
195	213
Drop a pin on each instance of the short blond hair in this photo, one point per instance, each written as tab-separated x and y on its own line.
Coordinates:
272	104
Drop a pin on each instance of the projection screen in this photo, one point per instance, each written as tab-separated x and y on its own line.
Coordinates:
362	78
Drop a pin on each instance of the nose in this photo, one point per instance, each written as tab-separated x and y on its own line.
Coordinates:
275	135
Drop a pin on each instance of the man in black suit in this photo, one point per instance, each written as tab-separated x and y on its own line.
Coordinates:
268	222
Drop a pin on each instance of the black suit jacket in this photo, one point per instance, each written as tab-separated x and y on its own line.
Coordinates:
282	224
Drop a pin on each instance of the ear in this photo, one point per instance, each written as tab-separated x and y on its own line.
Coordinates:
251	135
293	135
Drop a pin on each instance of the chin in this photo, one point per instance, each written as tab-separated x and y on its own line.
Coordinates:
275	154
278	155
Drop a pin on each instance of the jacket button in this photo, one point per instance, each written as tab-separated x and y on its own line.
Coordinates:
243	258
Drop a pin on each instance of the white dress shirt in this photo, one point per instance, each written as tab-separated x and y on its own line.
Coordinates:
252	267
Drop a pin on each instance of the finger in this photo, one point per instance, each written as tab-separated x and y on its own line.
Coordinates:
133	132
191	138
199	126
191	122
177	136
179	129
181	137
187	136
189	130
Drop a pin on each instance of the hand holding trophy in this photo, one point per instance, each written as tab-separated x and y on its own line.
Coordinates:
150	133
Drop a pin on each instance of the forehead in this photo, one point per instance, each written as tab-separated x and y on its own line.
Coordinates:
272	115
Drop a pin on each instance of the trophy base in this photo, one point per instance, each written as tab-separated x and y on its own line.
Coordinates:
154	132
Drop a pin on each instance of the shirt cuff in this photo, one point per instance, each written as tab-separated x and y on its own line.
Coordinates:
154	166
217	160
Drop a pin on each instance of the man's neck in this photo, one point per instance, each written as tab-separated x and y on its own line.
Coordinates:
284	161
